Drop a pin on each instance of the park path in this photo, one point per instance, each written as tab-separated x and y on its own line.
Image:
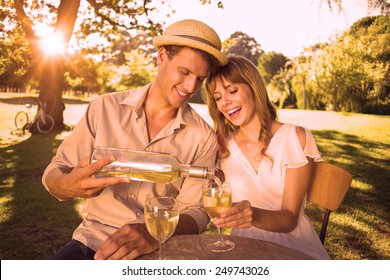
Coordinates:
309	119
74	110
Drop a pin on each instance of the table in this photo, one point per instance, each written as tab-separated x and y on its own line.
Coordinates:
193	247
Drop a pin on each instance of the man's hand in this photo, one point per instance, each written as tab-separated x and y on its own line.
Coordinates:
127	243
81	182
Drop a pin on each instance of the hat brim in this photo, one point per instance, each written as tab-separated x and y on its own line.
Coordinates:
164	40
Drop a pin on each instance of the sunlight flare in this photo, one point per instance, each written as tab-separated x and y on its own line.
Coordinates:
53	44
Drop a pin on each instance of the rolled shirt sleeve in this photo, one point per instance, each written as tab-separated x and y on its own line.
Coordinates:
118	120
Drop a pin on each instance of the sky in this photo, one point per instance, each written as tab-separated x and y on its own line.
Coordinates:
284	26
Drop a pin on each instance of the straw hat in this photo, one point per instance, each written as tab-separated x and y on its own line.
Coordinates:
194	34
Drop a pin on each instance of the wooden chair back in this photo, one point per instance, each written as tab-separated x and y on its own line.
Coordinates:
329	185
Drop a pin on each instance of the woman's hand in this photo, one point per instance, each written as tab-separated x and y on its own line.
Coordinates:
240	215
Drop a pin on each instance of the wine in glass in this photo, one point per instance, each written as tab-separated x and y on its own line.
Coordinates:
161	218
217	198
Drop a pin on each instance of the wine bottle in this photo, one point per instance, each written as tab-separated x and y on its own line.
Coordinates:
147	166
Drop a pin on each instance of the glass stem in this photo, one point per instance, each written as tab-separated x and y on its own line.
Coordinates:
220	236
161	255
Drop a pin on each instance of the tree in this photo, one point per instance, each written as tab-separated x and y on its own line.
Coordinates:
49	69
140	70
270	64
242	44
382	5
81	75
112	20
15	60
373	5
369	42
352	70
108	18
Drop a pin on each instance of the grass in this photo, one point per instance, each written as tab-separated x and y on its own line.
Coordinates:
33	224
359	229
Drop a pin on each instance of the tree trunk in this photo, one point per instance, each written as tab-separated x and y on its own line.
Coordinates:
50	90
335	102
50	69
304	91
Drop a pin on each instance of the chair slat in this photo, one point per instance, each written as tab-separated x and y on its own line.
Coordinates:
329	184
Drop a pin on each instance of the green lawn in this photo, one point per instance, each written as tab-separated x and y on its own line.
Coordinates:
33	224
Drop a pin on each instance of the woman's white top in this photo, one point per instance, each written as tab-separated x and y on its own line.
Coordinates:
264	188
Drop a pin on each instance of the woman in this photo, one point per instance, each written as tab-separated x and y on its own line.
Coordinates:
268	163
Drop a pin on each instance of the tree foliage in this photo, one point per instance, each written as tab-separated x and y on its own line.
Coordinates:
352	71
82	75
115	21
15	60
139	70
349	73
270	64
242	44
373	5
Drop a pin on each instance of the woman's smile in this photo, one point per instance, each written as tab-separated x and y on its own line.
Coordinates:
233	113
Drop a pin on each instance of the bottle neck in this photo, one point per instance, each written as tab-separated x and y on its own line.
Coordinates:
197	171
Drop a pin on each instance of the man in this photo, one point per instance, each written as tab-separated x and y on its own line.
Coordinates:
153	118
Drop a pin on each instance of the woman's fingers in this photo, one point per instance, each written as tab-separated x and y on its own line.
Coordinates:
240	215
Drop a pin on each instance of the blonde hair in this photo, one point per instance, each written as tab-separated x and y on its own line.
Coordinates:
240	70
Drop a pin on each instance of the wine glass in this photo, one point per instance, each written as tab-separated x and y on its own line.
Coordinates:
161	218
217	198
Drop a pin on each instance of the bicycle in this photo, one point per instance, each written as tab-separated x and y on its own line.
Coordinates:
45	122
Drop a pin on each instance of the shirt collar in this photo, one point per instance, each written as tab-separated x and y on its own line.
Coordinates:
184	115
136	98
